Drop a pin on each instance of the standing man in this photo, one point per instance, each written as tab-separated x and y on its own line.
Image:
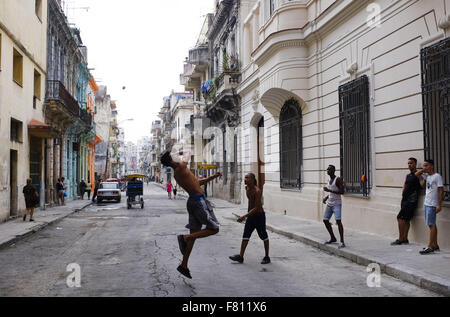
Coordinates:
97	186
409	203
256	219
83	187
434	197
31	198
89	189
334	205
199	209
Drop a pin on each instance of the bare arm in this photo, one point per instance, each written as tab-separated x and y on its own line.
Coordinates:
441	199
258	206
421	180
209	179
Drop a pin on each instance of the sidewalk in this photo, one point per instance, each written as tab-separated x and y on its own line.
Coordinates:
14	230
430	272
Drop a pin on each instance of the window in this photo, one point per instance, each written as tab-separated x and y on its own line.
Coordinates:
37	88
38	9
271	7
18	68
291	146
436	108
355	136
16	131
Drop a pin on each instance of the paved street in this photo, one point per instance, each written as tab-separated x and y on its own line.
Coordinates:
134	253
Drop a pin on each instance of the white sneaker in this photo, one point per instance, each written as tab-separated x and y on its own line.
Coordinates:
341	246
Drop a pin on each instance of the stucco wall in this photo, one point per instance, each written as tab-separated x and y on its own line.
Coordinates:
311	66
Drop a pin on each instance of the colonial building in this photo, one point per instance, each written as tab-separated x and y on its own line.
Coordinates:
103	128
361	85
23	68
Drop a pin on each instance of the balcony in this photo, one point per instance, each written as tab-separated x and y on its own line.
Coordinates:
56	92
199	56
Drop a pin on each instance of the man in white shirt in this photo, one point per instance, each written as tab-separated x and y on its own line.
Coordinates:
434	197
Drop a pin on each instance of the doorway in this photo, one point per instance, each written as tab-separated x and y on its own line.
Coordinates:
14	191
35	164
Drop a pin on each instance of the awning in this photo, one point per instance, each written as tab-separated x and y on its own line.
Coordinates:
41	130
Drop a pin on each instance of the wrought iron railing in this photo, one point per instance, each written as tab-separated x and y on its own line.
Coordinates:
355	136
57	92
436	108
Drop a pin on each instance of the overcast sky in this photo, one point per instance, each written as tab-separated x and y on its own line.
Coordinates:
139	44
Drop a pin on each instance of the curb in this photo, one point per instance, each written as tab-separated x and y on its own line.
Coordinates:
426	281
38	228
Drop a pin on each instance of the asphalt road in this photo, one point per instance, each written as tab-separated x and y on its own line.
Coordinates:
135	253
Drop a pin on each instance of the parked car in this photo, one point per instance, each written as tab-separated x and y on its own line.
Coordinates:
109	191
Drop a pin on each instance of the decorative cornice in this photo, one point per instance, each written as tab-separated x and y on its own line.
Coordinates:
260	56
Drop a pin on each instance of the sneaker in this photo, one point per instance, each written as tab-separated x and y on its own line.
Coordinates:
427	251
436	249
182	244
237	258
31	220
266	260
330	242
341	245
184	272
400	242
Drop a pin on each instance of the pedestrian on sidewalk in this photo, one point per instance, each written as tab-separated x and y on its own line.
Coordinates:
410	201
169	189
82	187
256	219
31	199
175	192
60	190
434	197
88	189
97	186
334	205
199	209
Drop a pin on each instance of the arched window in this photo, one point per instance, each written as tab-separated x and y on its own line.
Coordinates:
291	147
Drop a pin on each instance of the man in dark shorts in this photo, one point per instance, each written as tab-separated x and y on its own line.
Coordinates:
31	199
199	209
410	199
256	219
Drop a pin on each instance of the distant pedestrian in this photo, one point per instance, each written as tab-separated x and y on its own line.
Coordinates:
60	190
31	199
434	196
83	187
410	200
256	219
169	189
175	192
334	205
97	186
88	190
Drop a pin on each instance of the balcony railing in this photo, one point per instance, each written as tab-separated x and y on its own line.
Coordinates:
57	92
199	55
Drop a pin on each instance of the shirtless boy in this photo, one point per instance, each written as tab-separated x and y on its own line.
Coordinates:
199	209
256	219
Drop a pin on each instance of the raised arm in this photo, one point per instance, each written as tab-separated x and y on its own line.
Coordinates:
209	179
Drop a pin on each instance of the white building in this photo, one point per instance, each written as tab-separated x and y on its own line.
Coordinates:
343	82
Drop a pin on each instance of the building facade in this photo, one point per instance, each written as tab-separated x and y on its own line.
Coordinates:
357	84
23	68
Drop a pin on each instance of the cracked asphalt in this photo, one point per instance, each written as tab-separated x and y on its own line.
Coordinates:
134	252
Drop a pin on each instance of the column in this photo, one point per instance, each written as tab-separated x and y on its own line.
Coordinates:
49	191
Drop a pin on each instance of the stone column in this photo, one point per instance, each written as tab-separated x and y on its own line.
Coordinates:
56	168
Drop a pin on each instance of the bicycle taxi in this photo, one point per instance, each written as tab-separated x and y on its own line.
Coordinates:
135	190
